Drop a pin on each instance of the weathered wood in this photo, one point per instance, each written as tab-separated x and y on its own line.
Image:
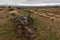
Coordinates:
25	27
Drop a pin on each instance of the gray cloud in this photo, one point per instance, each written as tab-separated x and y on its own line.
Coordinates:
28	1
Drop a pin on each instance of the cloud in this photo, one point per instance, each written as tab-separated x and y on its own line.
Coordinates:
28	1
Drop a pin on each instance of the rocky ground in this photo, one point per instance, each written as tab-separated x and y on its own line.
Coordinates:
46	20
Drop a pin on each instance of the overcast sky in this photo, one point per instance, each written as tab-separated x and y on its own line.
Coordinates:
28	1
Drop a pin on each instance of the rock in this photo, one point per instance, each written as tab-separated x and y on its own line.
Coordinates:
1	9
52	18
51	14
57	16
13	12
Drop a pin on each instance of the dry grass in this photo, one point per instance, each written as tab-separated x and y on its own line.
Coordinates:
46	28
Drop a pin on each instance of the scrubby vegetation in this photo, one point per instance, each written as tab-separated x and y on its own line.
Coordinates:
46	20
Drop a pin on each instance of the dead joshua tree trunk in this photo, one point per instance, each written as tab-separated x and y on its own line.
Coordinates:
25	28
